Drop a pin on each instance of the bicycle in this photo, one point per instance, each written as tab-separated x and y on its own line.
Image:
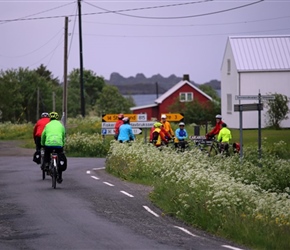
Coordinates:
202	143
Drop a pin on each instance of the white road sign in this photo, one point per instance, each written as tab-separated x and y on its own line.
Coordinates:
110	131
254	97
133	124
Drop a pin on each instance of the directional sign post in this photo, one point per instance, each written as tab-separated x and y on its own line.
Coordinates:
110	131
250	107
172	117
132	117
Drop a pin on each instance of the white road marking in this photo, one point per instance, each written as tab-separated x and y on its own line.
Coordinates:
150	211
94	177
130	195
88	172
186	231
230	247
109	184
98	168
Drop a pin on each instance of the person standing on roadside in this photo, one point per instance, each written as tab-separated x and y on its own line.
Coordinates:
38	129
126	131
117	125
166	125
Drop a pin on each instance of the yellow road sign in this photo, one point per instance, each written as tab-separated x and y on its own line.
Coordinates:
171	117
114	117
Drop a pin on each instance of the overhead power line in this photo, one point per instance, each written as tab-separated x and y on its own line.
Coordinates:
138	9
175	17
26	17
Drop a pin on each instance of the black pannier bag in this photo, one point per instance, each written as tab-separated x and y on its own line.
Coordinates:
37	157
62	161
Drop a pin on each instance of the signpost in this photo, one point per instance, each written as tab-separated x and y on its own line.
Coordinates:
110	131
174	117
132	117
250	107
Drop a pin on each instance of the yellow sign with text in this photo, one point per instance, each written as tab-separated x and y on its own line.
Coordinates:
171	117
114	117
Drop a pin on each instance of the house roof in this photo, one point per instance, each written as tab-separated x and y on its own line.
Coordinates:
144	107
177	86
261	53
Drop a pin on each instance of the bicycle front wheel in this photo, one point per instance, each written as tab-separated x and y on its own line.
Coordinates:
213	151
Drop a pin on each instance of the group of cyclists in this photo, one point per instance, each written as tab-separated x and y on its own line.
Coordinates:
162	133
49	134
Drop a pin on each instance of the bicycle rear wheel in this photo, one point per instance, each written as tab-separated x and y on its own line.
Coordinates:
53	177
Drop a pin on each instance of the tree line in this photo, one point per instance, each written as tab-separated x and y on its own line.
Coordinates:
23	90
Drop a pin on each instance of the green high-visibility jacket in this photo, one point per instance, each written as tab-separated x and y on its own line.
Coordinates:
53	134
225	135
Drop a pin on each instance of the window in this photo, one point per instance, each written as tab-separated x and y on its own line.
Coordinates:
186	96
229	103
229	66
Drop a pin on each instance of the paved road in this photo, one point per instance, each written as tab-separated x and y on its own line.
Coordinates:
89	210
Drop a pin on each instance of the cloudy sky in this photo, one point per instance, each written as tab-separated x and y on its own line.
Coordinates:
134	36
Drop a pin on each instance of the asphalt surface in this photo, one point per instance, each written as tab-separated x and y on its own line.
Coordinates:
89	210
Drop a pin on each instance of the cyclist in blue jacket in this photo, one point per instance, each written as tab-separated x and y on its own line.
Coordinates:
126	131
180	136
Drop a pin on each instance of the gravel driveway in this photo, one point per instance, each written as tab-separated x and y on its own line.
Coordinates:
14	148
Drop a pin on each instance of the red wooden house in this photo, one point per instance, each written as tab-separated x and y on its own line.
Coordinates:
183	91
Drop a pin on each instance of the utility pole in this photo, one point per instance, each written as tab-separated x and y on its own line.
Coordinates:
81	61
37	105
64	100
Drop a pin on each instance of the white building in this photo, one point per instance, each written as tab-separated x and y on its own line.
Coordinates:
254	64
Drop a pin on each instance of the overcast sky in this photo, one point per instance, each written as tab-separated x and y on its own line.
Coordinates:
130	37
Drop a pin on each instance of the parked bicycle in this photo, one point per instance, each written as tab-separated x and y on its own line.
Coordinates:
201	142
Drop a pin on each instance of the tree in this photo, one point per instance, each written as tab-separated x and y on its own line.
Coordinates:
93	86
196	112
18	94
277	110
209	91
112	102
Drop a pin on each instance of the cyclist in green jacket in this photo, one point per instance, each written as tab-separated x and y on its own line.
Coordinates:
52	138
224	137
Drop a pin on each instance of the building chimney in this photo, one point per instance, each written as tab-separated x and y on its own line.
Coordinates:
186	77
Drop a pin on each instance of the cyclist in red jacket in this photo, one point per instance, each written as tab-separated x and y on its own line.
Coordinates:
117	126
38	129
218	126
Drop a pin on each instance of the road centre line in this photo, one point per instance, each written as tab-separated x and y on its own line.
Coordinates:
233	248
150	211
109	184
94	177
88	172
186	231
130	195
98	168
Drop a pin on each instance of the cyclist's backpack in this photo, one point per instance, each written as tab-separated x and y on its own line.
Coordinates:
37	157
62	161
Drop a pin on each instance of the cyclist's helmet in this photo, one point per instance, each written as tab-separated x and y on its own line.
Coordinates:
126	120
181	124
120	116
53	116
157	125
44	114
163	116
218	117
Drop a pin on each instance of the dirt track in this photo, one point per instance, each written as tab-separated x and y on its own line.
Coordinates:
14	148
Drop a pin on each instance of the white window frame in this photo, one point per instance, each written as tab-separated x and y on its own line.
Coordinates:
186	96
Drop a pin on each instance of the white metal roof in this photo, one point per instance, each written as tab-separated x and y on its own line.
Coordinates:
261	53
